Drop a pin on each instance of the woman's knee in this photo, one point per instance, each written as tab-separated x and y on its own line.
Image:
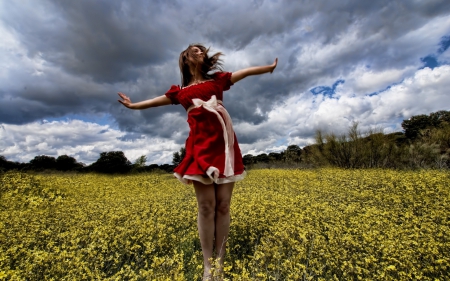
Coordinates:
223	207
206	208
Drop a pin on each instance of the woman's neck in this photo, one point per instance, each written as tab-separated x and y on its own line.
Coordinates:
197	77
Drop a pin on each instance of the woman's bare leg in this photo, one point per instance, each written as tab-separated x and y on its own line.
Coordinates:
206	202
223	201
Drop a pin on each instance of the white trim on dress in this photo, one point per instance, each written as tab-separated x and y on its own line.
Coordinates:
187	179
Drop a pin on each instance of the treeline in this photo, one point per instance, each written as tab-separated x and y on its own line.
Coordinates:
112	162
424	143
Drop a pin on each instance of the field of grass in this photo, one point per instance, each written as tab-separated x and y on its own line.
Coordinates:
326	224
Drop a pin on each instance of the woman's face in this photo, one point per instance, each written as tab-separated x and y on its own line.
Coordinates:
196	55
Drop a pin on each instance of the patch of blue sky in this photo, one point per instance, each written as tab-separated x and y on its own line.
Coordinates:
281	142
393	127
444	44
429	61
326	90
100	119
432	60
385	89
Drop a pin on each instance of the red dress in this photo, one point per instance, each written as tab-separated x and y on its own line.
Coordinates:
212	150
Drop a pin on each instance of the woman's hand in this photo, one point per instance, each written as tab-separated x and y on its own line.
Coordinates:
274	65
158	101
125	100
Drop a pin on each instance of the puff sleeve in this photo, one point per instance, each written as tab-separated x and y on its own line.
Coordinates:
172	94
224	79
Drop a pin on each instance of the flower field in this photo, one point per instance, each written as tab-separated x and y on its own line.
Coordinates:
325	224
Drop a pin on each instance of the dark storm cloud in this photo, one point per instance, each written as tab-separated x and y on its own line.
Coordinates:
105	40
53	94
324	20
20	111
246	137
93	49
378	26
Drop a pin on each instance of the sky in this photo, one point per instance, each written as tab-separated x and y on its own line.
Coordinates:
339	62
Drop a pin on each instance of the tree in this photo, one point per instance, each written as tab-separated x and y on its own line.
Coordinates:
274	156
179	156
67	163
151	167
111	162
440	118
140	162
139	165
248	160
261	158
415	126
167	167
6	165
43	162
293	153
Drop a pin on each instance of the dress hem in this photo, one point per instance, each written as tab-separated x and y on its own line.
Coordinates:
187	179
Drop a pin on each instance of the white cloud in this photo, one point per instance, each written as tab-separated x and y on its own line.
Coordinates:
423	93
367	81
81	140
444	58
425	38
301	115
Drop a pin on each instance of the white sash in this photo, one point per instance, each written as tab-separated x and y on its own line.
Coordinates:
215	106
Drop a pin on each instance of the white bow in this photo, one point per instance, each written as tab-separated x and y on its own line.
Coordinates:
215	106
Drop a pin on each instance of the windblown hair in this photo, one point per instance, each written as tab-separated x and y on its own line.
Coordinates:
209	63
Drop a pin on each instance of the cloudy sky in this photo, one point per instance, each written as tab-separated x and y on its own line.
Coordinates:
63	62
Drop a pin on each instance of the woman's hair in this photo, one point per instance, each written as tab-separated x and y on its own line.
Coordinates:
209	63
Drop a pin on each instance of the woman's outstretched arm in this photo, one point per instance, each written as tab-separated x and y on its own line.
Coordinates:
158	101
256	70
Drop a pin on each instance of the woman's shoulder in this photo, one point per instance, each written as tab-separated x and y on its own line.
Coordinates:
174	88
172	93
224	78
221	75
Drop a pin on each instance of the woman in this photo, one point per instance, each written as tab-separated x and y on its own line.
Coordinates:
213	160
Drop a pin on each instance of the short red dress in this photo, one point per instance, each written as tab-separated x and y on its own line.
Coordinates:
212	150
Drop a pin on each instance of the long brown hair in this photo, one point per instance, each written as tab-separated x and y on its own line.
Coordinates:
209	63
